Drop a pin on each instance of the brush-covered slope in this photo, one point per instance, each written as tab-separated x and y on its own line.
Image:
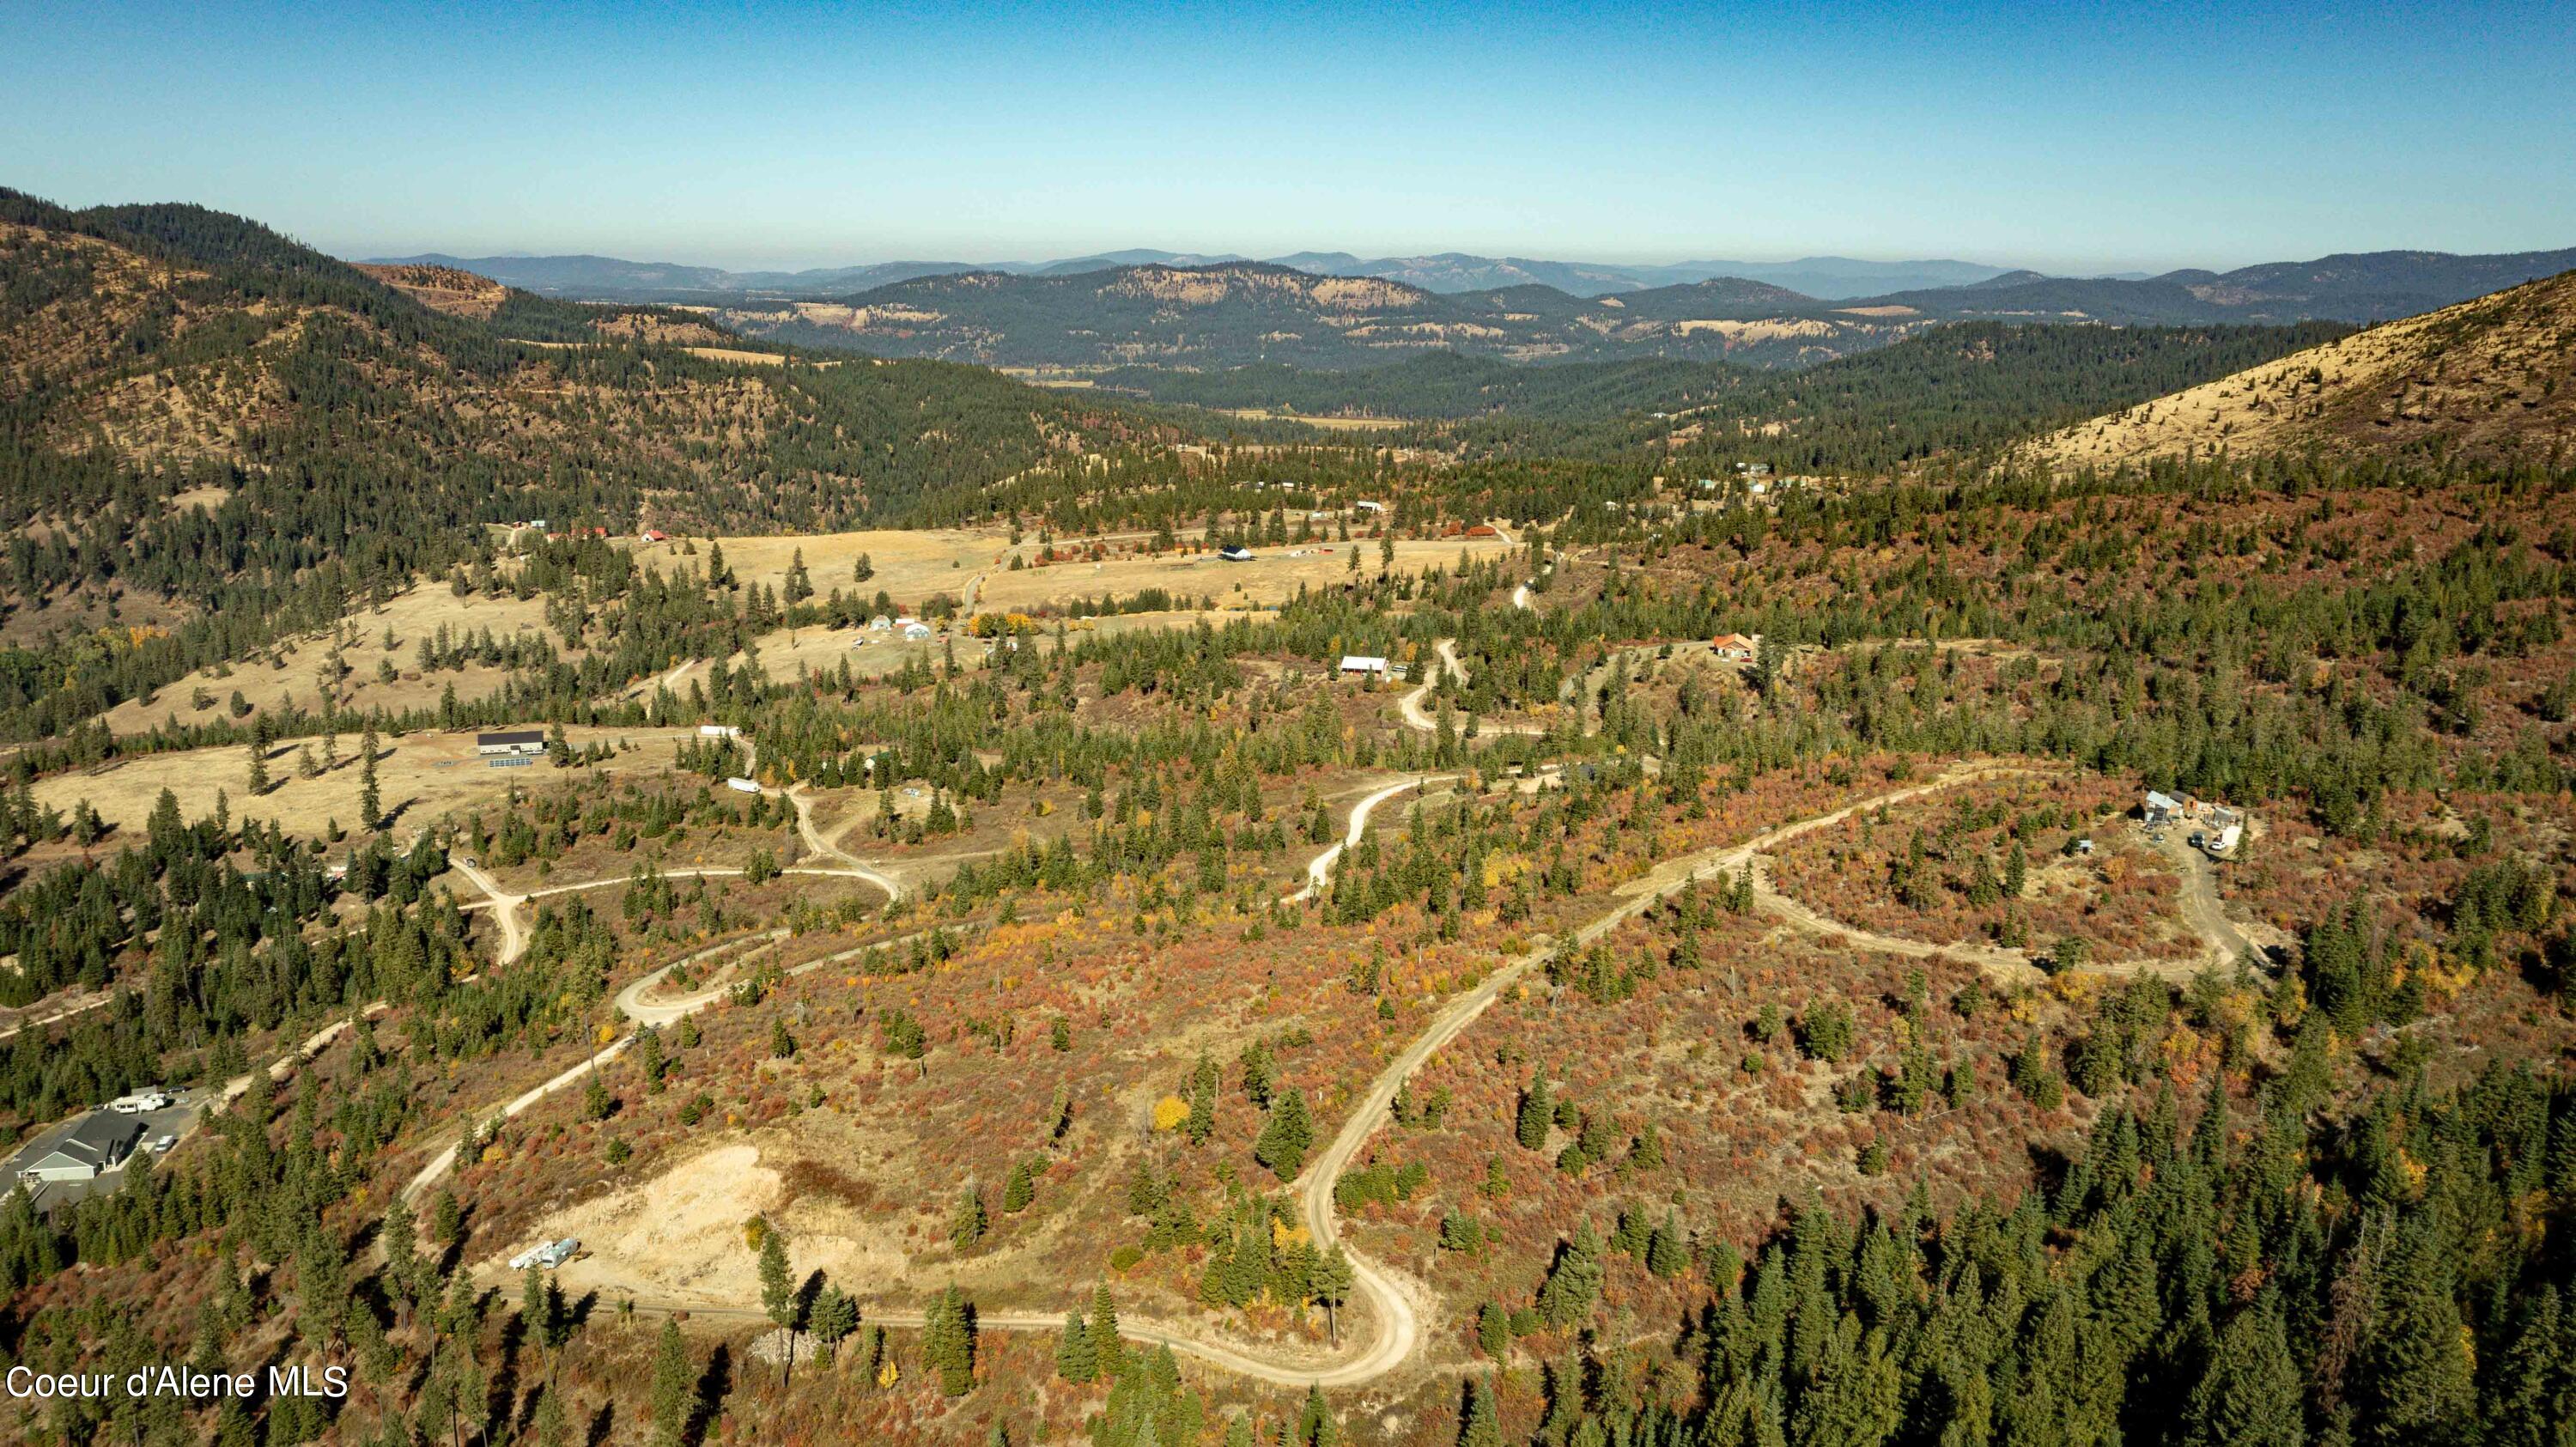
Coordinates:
2490	377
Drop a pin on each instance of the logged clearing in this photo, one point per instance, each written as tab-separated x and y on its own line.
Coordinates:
420	776
300	667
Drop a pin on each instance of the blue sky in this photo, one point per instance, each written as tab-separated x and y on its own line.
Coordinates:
2069	137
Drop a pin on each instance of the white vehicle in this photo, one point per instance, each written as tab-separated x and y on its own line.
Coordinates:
550	1255
163	1144
742	786
140	1102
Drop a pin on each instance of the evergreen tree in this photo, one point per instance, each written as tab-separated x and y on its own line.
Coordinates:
835	1316
2416	1378
779	1298
1331	1283
675	1389
948	1342
1106	1346
1076	1360
1666	1253
1285	1139
2252	1393
1573	1280
1537	1113
1480	1422
371	801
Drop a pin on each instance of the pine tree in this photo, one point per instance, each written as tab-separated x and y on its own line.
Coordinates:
258	771
2251	1394
778	1295
1076	1360
371	801
967	1226
948	1342
1020	1189
1537	1113
835	1316
1666	1253
2416	1378
1285	1139
400	1238
1331	1282
1573	1282
675	1388
536	1316
1106	1347
1480	1422
1203	1091
552	1429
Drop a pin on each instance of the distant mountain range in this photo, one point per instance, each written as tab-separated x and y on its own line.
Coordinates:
609	278
1333	310
1231	314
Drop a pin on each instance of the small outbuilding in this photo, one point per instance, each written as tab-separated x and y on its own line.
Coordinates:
510	743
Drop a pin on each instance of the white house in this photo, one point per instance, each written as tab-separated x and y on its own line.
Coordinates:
1367	506
718	731
100	1143
880	623
1235	553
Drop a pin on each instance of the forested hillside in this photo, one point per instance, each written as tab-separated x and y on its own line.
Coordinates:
1240	313
209	433
1956	389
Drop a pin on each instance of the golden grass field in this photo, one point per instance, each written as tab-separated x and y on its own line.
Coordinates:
423	775
298	662
1272	577
909	565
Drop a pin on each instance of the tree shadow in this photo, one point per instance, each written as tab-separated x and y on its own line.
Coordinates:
714	1385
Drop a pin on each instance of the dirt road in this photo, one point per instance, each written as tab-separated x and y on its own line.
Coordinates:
1397	1328
1319	871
